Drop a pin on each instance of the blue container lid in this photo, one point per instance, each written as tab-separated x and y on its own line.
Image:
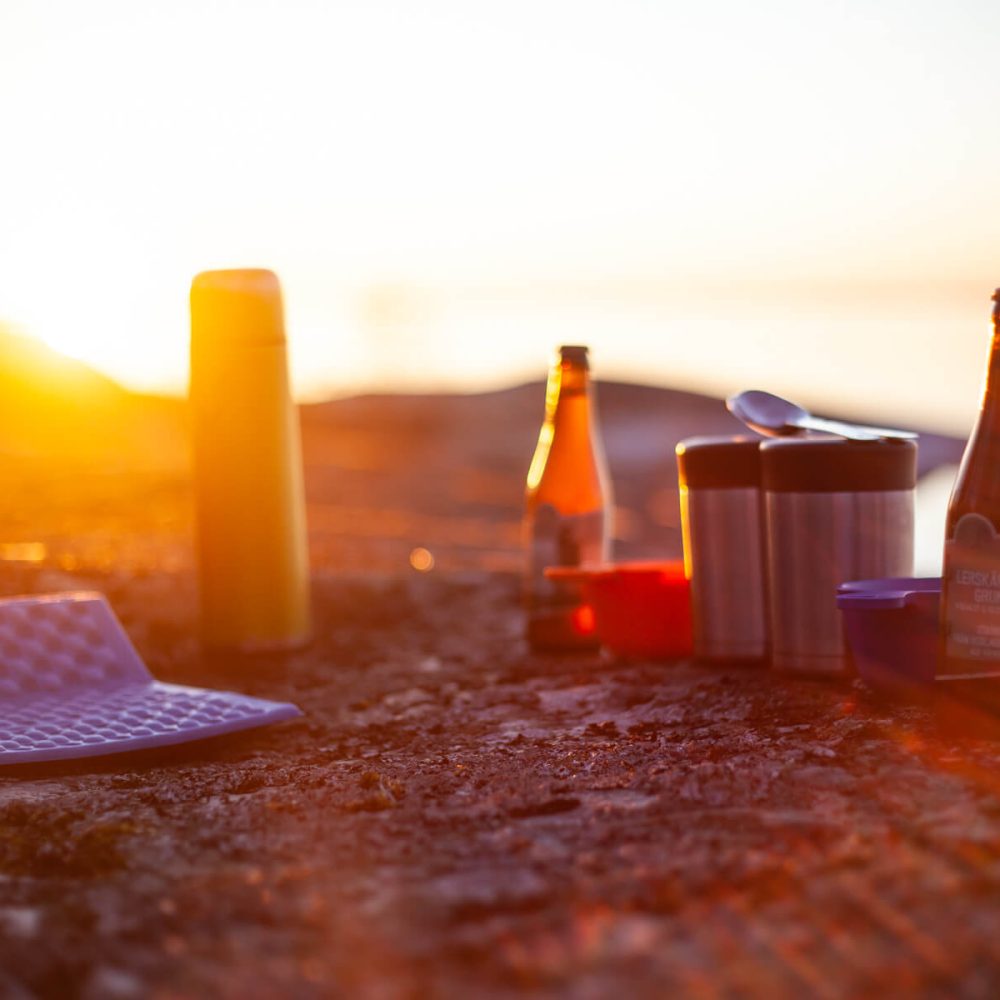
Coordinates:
890	592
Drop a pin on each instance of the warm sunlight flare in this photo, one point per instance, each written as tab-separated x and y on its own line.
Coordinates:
448	191
677	675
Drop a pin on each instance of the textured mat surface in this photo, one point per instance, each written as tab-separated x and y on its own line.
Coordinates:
72	685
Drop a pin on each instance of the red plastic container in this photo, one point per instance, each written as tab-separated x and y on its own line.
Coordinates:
642	610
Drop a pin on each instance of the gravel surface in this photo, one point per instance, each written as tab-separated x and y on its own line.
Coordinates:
454	817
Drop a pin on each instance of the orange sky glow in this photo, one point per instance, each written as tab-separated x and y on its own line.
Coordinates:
800	196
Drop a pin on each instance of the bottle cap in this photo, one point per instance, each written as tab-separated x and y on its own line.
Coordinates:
242	305
575	354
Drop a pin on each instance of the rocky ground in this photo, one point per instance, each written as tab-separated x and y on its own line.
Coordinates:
454	817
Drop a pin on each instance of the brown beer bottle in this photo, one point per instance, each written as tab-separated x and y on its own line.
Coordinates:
970	600
567	507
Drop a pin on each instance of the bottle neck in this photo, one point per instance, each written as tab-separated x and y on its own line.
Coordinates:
991	389
977	484
569	455
566	380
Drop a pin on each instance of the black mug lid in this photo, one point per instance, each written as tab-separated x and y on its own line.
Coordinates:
719	463
836	465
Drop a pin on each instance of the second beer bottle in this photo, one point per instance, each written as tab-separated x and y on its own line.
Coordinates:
568	507
971	580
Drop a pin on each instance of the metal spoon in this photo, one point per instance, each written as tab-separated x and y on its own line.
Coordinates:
776	417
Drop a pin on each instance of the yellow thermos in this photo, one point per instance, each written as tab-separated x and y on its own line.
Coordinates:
249	499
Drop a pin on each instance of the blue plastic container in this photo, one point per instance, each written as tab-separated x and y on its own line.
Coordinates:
892	630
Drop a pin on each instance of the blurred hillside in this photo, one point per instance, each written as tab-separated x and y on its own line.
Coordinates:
54	407
84	464
452	467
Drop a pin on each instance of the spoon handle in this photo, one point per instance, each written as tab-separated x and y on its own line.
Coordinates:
856	432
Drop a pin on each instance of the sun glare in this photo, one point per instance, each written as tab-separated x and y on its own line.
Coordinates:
383	144
93	346
99	303
75	334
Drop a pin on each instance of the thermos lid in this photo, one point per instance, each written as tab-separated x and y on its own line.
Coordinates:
836	465
241	306
719	463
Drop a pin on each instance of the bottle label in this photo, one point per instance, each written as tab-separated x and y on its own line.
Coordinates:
972	603
561	540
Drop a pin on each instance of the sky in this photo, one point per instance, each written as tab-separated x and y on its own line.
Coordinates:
801	196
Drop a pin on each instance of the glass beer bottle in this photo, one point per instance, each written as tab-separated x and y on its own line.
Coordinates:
567	507
970	618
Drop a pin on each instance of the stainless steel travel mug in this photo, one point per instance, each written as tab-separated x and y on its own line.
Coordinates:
835	510
722	523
